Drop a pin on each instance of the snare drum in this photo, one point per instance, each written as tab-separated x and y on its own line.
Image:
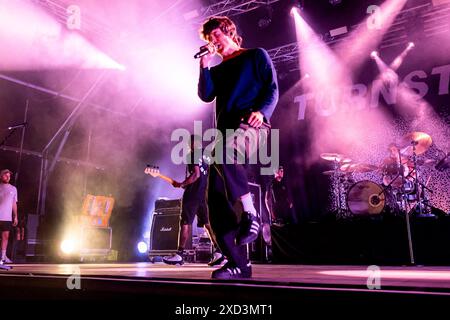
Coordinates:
365	198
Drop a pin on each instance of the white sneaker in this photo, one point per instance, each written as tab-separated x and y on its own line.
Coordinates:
174	259
218	259
5	259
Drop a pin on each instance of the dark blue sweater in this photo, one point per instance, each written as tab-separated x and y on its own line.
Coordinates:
243	84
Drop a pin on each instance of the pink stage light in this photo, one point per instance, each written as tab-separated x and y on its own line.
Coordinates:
398	61
409	103
374	54
368	35
335	110
36	41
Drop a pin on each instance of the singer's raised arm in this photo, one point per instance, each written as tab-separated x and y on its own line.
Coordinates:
206	90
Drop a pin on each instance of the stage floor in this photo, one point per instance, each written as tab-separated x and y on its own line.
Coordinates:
274	292
413	277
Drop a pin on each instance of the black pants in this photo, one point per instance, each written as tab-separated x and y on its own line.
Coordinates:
223	217
226	184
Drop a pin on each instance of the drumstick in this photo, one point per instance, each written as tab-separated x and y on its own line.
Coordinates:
428	180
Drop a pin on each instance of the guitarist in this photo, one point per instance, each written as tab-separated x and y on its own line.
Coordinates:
193	203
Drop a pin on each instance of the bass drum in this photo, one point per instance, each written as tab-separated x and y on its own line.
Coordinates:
366	198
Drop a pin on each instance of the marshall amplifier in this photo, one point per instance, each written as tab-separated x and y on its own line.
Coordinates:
164	234
163	205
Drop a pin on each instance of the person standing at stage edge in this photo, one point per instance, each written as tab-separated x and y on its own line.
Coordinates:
194	204
245	87
8	210
278	200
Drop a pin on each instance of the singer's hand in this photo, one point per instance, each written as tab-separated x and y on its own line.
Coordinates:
206	59
256	119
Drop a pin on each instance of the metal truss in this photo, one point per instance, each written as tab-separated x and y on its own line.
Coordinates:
233	7
89	25
78	163
284	54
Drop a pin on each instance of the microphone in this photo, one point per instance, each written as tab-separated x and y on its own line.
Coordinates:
17	126
203	52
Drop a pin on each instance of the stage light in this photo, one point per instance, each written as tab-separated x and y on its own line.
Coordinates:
334	2
265	16
374	54
142	247
297	8
264	22
68	246
411	45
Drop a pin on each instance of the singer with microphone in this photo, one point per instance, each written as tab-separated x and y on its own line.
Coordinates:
245	88
204	50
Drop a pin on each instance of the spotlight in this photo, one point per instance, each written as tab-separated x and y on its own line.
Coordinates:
264	22
142	247
411	45
306	76
265	17
297	7
68	246
374	54
334	2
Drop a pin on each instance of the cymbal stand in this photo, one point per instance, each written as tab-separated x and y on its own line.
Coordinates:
405	205
416	182
424	201
420	188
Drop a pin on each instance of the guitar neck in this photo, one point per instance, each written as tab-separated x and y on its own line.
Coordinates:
169	180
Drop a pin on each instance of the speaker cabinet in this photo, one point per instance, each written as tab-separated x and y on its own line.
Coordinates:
93	238
164	233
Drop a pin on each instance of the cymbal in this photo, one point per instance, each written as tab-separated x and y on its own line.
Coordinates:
421	140
359	167
348	167
366	167
335	157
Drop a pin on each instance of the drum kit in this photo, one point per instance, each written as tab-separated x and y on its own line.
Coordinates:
401	188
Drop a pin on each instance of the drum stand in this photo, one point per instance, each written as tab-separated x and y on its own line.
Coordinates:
405	201
422	205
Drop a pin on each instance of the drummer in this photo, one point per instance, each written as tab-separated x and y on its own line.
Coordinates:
390	167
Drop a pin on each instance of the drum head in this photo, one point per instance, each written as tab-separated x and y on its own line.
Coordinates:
365	198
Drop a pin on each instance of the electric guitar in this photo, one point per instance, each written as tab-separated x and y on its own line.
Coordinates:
154	172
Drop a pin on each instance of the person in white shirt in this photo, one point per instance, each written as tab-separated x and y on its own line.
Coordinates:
8	210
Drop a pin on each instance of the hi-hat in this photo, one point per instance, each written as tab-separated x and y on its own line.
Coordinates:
334	172
420	140
335	157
